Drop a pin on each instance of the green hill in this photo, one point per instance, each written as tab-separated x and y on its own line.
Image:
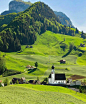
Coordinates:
39	94
47	51
25	28
6	19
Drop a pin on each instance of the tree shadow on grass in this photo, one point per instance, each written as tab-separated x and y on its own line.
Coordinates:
66	54
32	70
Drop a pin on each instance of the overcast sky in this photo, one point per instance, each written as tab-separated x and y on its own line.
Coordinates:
74	9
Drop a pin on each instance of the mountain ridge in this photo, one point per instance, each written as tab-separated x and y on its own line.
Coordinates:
19	25
25	27
65	20
20	5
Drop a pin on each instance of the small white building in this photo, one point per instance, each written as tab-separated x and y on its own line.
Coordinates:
56	78
75	83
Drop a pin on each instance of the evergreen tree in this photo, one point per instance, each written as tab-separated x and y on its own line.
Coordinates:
2	65
6	82
36	64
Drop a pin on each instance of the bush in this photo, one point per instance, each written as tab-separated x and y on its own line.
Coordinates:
67	69
0	84
2	65
36	64
80	54
6	82
46	80
17	82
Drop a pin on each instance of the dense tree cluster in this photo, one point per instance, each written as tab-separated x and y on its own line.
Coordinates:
6	19
2	65
23	28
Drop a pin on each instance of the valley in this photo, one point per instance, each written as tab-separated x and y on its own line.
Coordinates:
38	44
46	51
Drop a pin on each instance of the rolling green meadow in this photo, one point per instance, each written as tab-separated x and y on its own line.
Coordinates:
47	52
39	94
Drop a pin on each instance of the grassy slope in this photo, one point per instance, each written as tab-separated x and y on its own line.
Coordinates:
39	94
46	51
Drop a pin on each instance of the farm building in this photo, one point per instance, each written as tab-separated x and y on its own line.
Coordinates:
27	46
75	83
15	79
30	67
21	81
82	45
56	79
34	82
1	84
62	61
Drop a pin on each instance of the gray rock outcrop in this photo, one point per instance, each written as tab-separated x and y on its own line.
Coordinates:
18	6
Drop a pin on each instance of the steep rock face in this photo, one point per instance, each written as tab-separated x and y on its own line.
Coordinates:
18	6
64	19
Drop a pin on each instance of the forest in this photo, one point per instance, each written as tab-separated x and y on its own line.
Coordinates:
25	26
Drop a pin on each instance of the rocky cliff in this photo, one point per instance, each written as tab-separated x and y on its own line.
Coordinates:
19	5
64	19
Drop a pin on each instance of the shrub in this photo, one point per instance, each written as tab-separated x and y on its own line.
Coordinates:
46	80
17	82
36	64
37	78
67	69
0	84
2	65
80	54
6	82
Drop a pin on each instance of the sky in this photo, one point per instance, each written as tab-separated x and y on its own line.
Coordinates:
74	9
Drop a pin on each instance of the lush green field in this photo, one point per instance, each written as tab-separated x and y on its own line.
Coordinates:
39	94
46	51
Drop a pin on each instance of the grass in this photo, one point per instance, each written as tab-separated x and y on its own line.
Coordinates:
46	51
39	94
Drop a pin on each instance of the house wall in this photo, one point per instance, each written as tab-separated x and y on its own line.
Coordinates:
56	81
75	83
72	84
78	82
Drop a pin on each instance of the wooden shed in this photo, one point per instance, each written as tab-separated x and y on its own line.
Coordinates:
62	61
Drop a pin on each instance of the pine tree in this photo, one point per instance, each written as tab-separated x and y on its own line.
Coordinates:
36	64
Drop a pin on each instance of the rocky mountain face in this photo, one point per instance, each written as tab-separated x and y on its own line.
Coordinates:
64	19
18	5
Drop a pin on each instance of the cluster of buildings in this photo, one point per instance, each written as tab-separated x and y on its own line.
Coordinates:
53	79
82	45
60	79
30	67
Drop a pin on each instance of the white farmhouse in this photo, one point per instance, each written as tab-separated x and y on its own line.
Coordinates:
55	79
